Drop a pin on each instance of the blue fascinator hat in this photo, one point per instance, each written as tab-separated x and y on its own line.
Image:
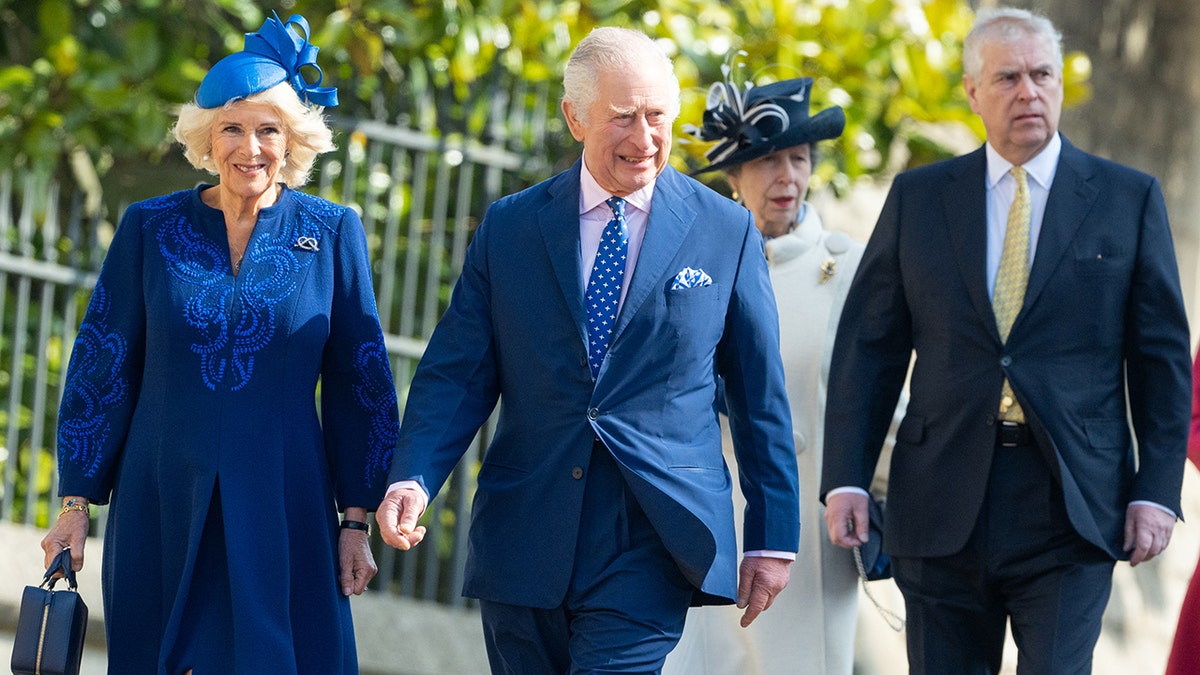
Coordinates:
750	122
274	54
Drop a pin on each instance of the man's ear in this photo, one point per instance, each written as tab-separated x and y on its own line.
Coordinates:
969	89
573	123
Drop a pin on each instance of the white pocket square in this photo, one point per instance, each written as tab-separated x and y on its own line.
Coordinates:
690	278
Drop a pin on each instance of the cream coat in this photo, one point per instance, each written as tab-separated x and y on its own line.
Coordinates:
810	627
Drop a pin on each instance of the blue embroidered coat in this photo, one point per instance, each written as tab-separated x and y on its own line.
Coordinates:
188	381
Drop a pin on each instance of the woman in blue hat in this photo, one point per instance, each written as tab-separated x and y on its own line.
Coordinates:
765	142
190	394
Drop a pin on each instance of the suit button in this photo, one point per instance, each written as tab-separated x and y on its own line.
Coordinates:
594	414
1006	361
990	420
583	361
577	473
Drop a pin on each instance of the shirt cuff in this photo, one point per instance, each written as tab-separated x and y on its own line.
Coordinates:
846	489
409	485
782	555
1160	507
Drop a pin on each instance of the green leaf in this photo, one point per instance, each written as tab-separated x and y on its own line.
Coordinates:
142	49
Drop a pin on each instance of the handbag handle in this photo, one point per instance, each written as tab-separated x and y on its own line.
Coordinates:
894	620
61	563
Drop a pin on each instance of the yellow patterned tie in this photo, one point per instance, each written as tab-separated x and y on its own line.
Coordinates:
1011	280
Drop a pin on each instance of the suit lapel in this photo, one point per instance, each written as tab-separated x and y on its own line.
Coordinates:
964	198
1070	199
559	223
670	221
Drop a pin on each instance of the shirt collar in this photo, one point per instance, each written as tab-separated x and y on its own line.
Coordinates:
1041	168
591	195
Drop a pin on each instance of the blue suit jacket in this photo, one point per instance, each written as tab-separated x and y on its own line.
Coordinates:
1103	315
515	331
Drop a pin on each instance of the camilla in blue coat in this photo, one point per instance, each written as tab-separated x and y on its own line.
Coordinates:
190	400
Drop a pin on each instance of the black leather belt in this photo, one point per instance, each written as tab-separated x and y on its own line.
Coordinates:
1013	434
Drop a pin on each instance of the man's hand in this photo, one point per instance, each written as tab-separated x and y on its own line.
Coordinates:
1147	531
759	581
397	518
846	517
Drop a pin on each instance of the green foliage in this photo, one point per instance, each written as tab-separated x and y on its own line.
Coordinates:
104	75
892	64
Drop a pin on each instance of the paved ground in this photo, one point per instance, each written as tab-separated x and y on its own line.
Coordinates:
395	636
405	637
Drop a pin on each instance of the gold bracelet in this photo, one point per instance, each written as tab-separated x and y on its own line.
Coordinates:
75	505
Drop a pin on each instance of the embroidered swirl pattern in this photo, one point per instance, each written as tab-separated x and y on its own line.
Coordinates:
227	343
95	384
228	333
376	394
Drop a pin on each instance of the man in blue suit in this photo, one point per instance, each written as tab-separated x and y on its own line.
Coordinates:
600	307
1038	288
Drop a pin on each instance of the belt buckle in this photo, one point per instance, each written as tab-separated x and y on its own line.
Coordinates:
1009	434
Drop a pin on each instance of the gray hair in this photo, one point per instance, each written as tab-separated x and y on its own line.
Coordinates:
1007	24
307	133
610	48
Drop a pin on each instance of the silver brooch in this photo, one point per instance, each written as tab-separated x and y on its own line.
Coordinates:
307	244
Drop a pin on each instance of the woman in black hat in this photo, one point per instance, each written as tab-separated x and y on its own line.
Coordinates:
765	142
189	399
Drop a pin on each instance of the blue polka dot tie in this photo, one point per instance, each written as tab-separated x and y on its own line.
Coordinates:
604	286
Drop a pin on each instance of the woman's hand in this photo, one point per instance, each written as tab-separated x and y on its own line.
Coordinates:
355	561
70	529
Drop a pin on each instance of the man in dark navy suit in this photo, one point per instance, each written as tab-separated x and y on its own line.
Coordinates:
1037	286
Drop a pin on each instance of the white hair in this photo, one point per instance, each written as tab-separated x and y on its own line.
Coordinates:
1007	24
610	48
307	133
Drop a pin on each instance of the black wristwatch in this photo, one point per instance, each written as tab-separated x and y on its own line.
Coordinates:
356	525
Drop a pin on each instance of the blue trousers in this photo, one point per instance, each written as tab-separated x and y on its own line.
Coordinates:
626	604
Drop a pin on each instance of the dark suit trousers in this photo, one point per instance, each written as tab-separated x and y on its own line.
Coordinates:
1023	563
626	603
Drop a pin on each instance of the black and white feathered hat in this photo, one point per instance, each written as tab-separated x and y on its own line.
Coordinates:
749	122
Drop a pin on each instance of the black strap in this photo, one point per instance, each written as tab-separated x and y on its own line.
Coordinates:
356	525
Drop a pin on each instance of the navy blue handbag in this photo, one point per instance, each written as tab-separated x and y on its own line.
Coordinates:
875	563
51	626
